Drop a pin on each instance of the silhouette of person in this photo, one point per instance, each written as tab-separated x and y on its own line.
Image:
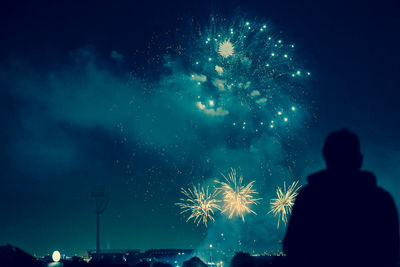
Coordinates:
341	217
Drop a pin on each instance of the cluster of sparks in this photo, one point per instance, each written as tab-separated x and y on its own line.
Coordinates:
226	49
243	67
237	197
200	203
237	200
281	206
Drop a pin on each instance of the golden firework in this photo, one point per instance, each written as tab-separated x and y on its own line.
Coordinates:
281	206
200	203
237	198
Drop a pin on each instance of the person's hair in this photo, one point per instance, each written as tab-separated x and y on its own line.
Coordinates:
342	151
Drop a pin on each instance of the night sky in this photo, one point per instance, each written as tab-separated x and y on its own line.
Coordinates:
89	94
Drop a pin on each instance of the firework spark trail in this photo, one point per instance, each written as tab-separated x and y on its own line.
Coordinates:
237	198
282	205
200	203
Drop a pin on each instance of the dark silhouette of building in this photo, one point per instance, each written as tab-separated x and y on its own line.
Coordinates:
172	256
161	253
143	264
242	259
161	264
342	218
14	257
115	256
194	262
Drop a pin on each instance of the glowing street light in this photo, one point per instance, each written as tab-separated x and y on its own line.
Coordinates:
56	256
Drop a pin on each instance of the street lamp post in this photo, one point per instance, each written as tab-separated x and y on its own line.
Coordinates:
210	253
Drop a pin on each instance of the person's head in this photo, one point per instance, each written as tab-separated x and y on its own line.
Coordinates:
342	151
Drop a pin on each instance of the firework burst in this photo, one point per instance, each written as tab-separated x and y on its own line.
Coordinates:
237	198
200	203
226	49
281	206
246	70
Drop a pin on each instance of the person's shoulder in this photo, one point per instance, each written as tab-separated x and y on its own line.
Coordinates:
383	194
316	180
308	188
370	179
367	178
317	177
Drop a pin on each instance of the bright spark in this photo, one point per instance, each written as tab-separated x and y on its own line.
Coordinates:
237	197
200	203
226	49
282	205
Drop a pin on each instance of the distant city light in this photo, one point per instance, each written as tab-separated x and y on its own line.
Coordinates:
56	256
